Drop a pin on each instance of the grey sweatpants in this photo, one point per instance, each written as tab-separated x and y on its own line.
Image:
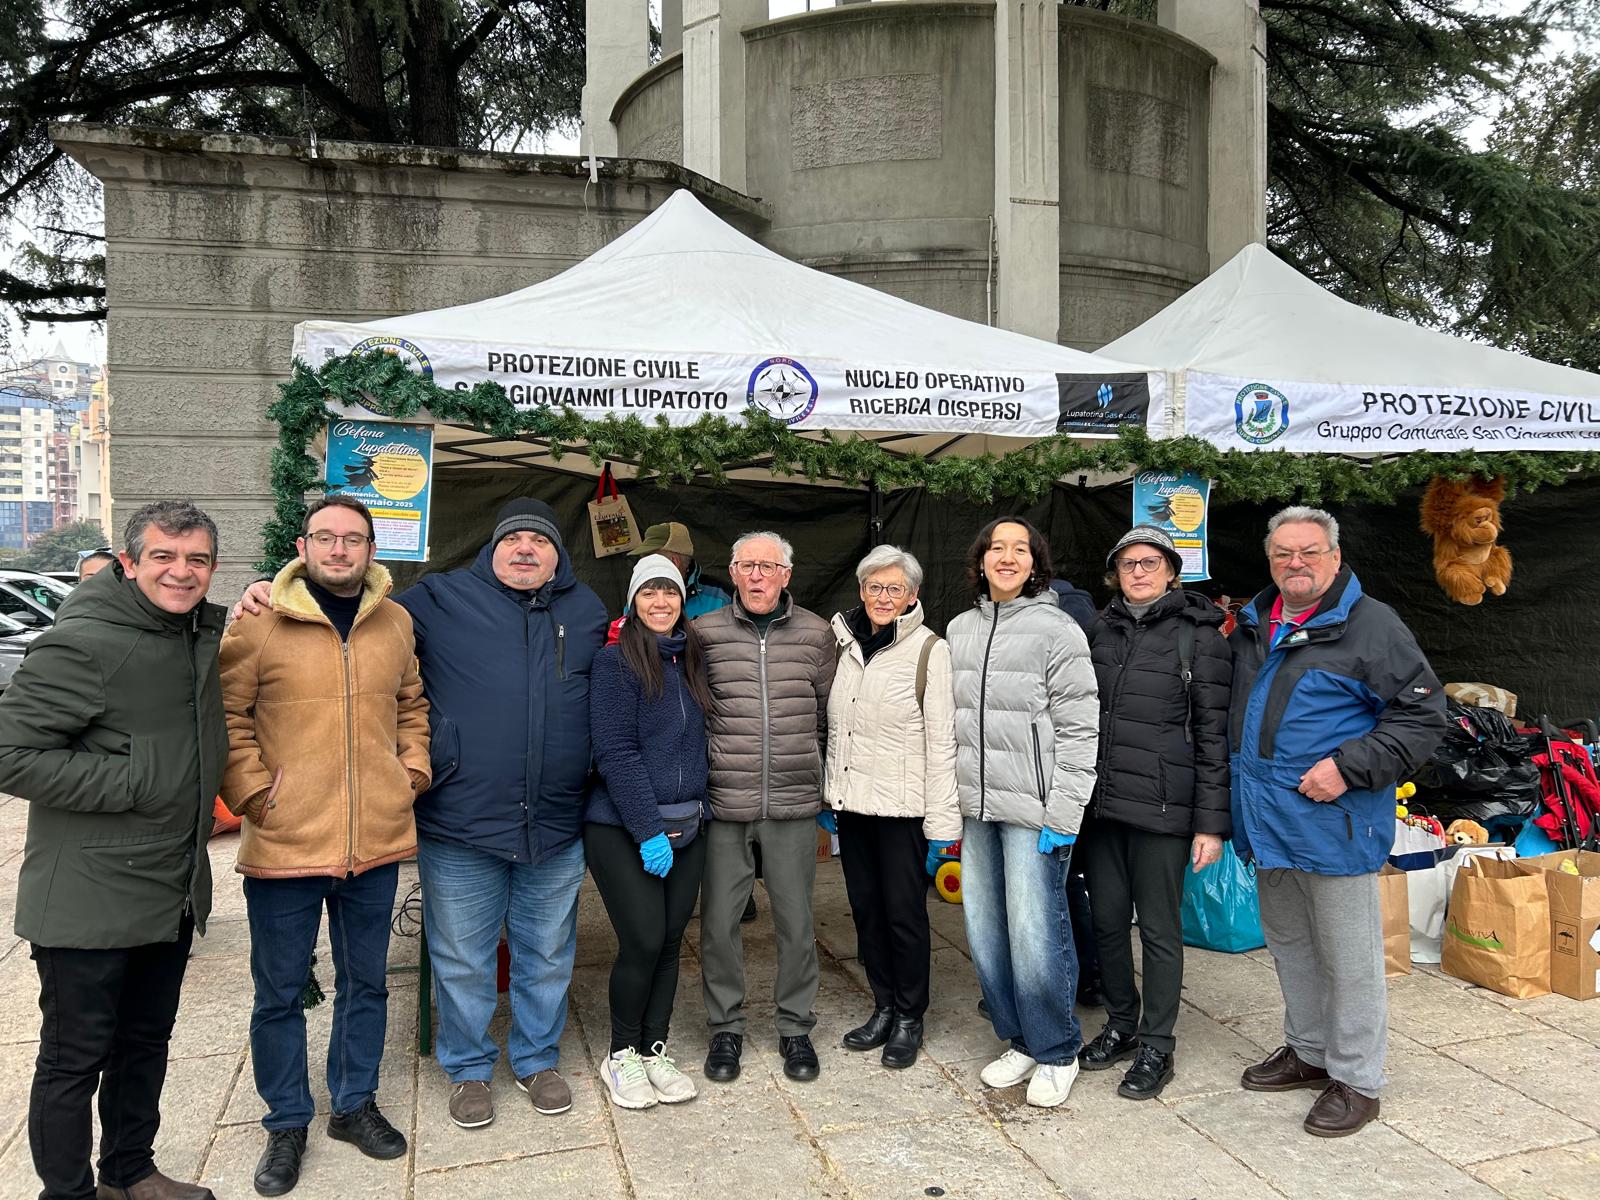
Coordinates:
1326	936
789	868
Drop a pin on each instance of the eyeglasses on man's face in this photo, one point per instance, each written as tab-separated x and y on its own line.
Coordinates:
764	569
322	539
895	591
1148	565
1282	558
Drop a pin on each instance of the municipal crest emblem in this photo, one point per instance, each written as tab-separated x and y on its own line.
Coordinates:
1260	413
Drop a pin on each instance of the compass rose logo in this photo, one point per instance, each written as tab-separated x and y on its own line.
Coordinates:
782	388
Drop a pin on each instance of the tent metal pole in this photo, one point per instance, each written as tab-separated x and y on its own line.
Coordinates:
874	514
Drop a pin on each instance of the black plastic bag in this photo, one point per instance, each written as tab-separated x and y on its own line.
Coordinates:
1482	769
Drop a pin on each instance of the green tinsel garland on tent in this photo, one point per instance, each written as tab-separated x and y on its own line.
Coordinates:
668	453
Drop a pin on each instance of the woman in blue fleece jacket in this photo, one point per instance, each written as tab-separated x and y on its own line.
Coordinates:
641	835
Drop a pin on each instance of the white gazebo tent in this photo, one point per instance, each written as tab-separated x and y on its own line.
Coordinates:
683	316
1260	357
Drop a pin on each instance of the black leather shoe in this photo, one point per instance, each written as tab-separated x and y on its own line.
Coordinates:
799	1058
905	1039
722	1059
369	1131
1151	1071
279	1168
749	913
873	1034
1109	1047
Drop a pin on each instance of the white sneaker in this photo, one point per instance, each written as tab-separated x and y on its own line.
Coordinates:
626	1080
1052	1084
671	1085
1010	1069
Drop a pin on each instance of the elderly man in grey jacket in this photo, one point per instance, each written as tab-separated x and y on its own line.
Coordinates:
770	665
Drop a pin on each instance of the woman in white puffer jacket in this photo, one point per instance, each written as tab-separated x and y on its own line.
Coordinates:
891	789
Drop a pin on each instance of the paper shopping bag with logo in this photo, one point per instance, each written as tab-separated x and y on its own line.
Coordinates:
1497	932
611	520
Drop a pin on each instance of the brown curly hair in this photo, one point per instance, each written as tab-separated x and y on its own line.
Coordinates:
1038	546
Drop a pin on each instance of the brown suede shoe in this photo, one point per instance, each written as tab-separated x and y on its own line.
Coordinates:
155	1186
549	1092
1283	1071
1340	1111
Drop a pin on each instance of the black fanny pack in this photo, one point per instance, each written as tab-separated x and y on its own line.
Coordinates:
681	822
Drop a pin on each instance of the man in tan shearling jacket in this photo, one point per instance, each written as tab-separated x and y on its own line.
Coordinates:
328	747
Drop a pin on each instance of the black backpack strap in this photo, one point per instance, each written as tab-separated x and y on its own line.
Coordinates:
922	666
1186	671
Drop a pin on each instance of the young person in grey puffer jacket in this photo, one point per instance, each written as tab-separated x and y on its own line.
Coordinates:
1027	715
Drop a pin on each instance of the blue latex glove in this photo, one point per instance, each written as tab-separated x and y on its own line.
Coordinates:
828	821
1050	840
934	850
657	855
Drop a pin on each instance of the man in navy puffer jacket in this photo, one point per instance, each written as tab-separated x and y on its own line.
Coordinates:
505	647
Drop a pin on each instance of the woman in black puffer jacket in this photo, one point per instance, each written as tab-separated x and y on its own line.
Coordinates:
1161	796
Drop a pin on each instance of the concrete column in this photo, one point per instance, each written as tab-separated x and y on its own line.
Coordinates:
671	27
1235	35
1027	167
714	86
617	34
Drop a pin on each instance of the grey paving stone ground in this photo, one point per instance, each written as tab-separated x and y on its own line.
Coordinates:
1487	1096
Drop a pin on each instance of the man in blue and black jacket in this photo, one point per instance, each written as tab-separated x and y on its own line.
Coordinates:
505	647
1333	704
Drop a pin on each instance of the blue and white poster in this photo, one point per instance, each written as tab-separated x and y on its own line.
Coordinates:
388	466
1178	502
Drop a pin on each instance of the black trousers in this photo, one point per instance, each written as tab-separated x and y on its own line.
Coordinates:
649	915
886	879
1127	869
107	1019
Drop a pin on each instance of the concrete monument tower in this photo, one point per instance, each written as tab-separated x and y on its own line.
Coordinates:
1047	168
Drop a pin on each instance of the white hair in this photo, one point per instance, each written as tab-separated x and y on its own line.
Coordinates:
881	558
1299	514
764	535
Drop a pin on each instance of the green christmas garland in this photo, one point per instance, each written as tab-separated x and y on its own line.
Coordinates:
681	453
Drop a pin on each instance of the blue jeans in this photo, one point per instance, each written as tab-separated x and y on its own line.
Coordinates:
285	915
1019	930
468	895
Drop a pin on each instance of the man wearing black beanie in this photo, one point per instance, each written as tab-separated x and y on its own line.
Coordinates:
504	648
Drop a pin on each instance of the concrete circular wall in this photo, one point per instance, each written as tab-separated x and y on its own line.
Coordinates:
869	132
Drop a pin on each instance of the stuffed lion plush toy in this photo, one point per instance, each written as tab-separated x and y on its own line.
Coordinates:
1464	518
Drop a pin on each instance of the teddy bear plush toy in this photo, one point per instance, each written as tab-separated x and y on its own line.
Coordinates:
1467	833
1464	518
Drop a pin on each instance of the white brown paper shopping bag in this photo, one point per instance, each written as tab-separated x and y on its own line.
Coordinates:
1497	932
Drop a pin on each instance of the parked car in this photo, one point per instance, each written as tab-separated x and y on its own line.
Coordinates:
14	639
30	598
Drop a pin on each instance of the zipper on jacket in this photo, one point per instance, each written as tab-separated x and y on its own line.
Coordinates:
983	704
766	729
561	652
1110	737
683	731
1038	760
1349	828
350	753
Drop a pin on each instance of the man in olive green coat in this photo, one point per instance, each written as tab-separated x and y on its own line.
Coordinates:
112	729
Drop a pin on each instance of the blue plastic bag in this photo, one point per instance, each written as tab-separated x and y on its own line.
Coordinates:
1220	911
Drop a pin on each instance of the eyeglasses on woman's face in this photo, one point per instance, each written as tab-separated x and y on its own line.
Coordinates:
1148	565
895	591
